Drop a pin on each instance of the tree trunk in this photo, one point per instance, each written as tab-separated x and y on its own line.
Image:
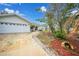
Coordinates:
51	25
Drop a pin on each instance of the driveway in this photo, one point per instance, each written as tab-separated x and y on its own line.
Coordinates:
27	47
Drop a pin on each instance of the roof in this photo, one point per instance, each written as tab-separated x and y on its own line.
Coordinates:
13	14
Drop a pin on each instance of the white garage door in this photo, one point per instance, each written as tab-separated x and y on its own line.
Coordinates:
14	28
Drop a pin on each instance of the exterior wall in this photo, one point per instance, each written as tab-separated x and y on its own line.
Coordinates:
43	28
12	19
13	24
14	28
40	28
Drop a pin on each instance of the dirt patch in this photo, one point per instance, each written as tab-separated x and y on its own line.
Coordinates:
11	41
21	45
45	38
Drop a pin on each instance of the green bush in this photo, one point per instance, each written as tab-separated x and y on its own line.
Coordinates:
60	35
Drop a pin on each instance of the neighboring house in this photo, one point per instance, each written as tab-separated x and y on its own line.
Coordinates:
43	27
13	23
39	27
33	28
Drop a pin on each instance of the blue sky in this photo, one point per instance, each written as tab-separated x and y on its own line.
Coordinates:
27	10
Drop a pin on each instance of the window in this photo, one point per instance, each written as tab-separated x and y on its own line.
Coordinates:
13	24
20	24
10	23
1	23
25	25
6	23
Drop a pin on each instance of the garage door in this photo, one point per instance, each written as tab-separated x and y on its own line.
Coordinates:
14	28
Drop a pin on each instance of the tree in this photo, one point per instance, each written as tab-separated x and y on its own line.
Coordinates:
57	15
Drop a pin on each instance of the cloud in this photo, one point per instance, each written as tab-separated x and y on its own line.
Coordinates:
18	12
73	12
9	10
43	9
20	3
5	4
10	4
13	11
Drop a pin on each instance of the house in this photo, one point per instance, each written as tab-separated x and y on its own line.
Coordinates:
13	23
39	27
43	27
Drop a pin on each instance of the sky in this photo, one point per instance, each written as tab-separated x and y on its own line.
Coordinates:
26	10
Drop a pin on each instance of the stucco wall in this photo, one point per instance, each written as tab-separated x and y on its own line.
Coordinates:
12	19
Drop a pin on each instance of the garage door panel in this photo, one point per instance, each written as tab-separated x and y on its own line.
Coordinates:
13	28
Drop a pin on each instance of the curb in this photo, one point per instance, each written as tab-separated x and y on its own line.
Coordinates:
49	51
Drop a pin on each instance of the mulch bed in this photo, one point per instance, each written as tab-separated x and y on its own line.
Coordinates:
56	45
73	38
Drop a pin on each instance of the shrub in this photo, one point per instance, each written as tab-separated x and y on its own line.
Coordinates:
59	34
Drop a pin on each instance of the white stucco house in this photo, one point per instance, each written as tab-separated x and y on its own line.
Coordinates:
43	27
13	23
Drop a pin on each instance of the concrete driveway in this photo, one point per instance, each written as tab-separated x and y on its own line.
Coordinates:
27	47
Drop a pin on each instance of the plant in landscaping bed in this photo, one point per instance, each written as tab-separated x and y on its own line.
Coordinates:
60	24
60	35
60	20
